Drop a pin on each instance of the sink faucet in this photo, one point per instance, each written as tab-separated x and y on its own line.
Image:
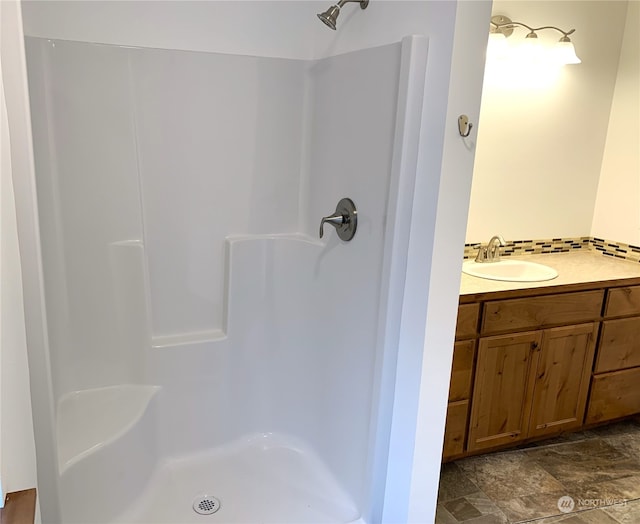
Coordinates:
491	252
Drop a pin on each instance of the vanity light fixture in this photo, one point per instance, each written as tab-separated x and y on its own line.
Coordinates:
502	27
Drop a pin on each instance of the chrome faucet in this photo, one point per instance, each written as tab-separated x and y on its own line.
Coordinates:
491	252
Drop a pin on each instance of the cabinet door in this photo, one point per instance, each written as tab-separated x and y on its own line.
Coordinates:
505	375
455	429
562	379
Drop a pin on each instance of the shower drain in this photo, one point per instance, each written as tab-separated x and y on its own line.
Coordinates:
206	505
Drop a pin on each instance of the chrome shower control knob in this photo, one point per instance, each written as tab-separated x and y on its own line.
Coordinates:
345	220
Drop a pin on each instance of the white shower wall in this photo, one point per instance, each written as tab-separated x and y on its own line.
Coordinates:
179	196
229	129
213	141
88	199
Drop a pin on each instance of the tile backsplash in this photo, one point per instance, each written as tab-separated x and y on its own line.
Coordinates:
562	245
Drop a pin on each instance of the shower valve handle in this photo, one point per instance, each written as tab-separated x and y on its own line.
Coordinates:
345	220
335	220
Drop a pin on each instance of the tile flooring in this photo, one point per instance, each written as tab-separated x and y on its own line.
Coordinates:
598	469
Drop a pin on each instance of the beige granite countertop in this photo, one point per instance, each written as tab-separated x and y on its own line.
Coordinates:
575	267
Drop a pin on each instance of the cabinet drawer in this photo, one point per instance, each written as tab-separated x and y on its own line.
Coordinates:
530	313
467	325
455	428
623	301
619	345
461	370
614	395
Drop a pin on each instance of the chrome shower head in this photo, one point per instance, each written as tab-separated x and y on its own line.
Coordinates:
330	16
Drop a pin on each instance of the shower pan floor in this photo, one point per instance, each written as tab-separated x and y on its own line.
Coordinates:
264	479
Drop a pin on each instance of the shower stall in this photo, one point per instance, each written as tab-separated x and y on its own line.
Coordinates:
208	356
204	341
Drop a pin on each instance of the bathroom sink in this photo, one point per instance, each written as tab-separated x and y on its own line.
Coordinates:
510	270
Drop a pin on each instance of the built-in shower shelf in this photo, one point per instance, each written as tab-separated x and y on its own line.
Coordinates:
90	419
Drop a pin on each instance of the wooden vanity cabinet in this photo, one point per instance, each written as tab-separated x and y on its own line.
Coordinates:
529	364
521	368
615	386
461	380
530	384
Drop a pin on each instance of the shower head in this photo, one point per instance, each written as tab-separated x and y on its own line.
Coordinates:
330	16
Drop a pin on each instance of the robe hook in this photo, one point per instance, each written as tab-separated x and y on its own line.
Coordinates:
464	126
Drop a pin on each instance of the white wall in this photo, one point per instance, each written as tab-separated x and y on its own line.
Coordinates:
541	138
17	448
452	189
617	209
292	30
